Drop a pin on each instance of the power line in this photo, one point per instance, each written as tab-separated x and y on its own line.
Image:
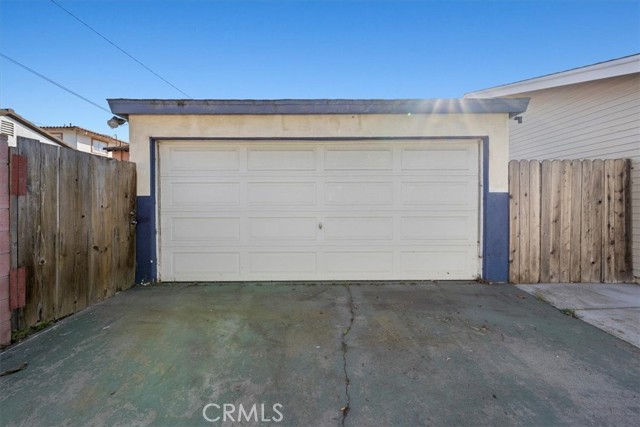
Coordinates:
120	49
54	83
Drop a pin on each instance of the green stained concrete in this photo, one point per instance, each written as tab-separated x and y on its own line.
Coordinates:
416	354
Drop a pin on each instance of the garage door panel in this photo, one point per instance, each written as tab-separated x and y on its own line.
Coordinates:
279	263
364	262
196	264
449	160
444	228
360	159
198	159
200	194
358	228
182	229
283	228
350	193
439	193
281	193
442	263
281	160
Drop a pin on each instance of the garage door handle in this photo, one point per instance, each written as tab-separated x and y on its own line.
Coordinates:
320	225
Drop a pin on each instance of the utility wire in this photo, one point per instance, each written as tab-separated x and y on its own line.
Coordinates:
54	83
120	49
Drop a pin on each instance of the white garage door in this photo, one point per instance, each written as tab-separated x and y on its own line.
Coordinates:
301	210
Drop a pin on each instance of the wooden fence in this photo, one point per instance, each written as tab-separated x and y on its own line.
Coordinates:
570	221
72	229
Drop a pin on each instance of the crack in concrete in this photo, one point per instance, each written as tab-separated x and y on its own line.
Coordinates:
345	348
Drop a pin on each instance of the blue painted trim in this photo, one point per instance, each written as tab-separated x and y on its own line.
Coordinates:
146	251
145	239
495	222
496	238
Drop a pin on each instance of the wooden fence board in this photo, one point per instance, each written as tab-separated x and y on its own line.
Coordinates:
546	245
570	221
587	272
523	217
616	265
100	235
576	221
47	258
29	216
597	218
130	252
125	205
117	221
625	266
514	222
565	203
534	222
555	227
73	256
83	253
609	219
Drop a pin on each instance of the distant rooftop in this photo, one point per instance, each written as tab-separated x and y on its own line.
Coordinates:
105	138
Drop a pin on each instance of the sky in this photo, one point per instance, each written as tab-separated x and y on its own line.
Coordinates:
272	49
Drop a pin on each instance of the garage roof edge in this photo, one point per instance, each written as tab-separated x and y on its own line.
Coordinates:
126	107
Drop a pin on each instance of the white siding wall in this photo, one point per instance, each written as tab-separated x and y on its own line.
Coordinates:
593	120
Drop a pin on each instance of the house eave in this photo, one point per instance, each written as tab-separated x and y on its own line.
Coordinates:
602	70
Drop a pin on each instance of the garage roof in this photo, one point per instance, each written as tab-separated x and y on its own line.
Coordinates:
126	107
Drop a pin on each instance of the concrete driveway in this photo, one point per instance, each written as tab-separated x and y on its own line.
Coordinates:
322	355
612	307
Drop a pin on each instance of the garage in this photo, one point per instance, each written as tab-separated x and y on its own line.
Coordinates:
309	190
310	210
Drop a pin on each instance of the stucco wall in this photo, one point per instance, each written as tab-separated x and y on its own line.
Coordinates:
492	128
143	127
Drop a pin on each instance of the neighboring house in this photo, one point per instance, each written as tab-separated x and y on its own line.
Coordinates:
90	142
591	112
15	126
321	189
